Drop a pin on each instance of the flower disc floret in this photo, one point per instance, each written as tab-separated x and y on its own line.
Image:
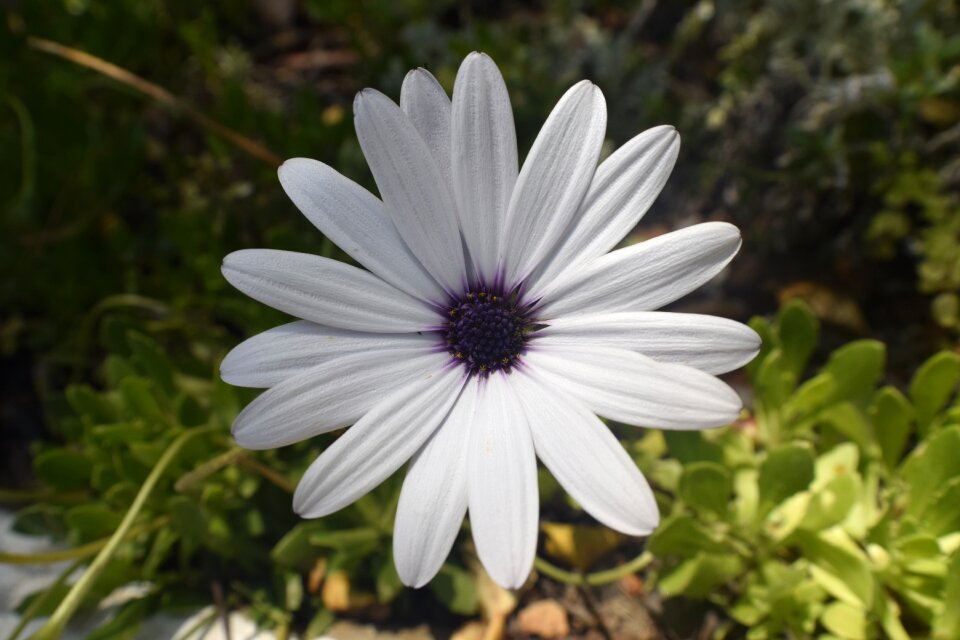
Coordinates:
486	331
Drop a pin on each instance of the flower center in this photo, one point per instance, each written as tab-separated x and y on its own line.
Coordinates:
486	331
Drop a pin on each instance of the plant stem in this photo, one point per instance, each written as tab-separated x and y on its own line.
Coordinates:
598	578
208	468
40	601
58	621
11	496
639	563
80	552
266	472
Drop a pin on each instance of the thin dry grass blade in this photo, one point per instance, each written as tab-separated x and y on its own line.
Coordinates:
156	92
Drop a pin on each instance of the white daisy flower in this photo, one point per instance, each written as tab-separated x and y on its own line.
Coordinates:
492	324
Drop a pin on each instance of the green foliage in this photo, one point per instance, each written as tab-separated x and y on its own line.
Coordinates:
829	511
842	517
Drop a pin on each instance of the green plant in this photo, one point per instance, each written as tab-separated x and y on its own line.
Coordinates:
833	509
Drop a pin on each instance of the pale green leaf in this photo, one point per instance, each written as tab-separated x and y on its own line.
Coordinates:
934	384
799	330
892	416
786	470
947	623
706	486
845	620
699	576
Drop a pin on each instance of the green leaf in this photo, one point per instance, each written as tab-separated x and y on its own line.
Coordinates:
126	621
831	504
839	566
189	412
786	470
890	620
188	518
388	581
294	549
799	330
92	521
88	403
345	538
845	620
682	535
748	612
120	433
116	370
699	576
148	355
933	385
848	421
64	469
931	465
892	415
706	486
691	446
292	591
773	382
840	461
785	517
40	520
51	599
942	516
813	395
139	399
947	624
456	589
767	343
852	371
746	502
857	367
319	623
921	554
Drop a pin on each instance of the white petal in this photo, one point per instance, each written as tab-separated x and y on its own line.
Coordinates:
554	179
325	291
502	485
483	159
330	396
433	500
588	460
633	389
378	444
273	356
711	344
623	188
357	222
645	276
428	107
412	186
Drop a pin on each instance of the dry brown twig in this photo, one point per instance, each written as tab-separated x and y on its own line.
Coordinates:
154	91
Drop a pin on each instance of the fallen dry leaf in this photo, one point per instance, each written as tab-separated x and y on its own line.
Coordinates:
338	596
580	546
827	304
496	603
544	618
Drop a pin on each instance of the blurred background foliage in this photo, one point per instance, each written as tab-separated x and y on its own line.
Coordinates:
829	132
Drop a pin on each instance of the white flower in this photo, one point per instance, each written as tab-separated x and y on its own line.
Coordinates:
491	326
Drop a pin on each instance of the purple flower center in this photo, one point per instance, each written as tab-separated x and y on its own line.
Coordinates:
486	331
